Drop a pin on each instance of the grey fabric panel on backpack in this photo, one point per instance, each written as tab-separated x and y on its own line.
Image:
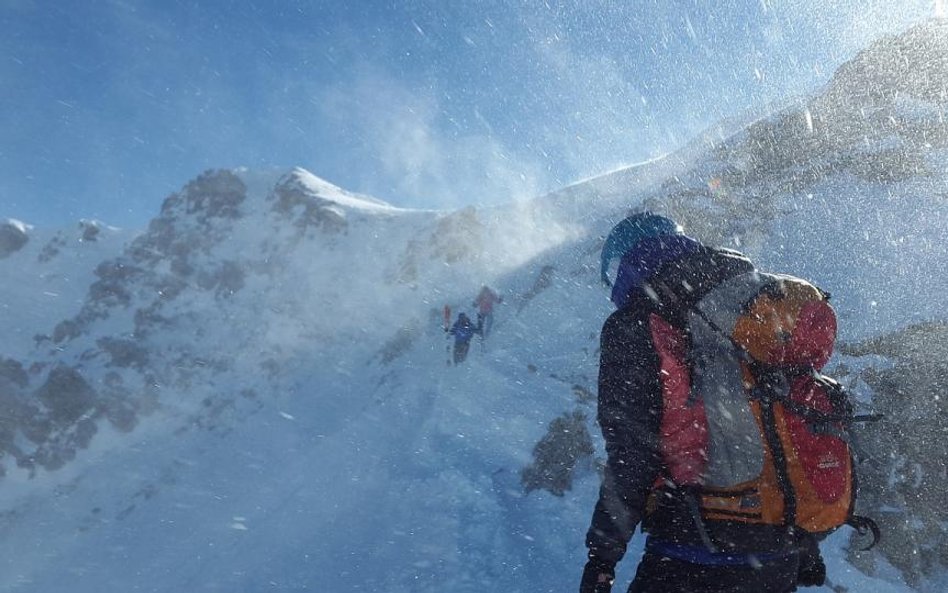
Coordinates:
735	447
723	304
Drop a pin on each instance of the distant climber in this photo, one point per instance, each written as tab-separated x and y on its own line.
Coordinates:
462	330
485	302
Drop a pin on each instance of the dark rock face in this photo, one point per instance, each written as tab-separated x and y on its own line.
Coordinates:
400	344
225	279
45	428
906	453
556	456
67	395
13	422
114	278
14	406
12	238
456	237
191	221
90	231
66	330
124	353
544	280
214	194
12	372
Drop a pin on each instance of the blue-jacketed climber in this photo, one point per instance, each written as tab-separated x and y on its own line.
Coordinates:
462	330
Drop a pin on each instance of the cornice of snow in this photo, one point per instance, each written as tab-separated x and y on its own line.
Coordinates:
326	190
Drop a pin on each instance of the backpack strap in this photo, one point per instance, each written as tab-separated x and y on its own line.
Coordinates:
863	526
768	377
679	285
691	501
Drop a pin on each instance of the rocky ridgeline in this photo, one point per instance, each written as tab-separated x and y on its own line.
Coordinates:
105	363
55	407
144	336
878	118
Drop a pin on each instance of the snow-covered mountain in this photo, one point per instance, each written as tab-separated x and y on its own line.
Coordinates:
252	393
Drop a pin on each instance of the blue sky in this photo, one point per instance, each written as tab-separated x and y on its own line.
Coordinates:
107	106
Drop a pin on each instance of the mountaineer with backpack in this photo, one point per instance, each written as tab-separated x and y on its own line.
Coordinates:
462	330
724	441
484	302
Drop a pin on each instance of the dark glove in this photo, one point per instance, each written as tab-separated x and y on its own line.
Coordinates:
597	577
812	572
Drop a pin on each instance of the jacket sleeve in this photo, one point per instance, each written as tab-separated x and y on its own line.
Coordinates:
630	406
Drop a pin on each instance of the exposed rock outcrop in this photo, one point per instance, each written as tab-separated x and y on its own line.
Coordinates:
13	236
906	453
294	201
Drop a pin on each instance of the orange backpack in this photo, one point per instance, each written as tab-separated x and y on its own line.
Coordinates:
749	422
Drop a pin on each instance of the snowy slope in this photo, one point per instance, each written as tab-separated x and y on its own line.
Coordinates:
252	395
247	336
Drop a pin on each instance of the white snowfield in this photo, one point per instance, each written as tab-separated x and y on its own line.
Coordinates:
275	411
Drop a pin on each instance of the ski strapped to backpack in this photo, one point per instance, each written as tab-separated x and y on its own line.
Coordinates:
751	428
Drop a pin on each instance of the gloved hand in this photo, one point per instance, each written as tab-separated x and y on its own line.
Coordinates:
812	571
597	577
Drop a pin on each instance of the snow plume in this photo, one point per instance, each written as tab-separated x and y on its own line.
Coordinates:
607	120
939	12
425	159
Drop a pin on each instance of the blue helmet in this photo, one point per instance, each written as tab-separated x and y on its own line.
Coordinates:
626	235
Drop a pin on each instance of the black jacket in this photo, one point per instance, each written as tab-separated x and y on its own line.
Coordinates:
630	415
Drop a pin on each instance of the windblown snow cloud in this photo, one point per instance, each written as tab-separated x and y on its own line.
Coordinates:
424	155
419	104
